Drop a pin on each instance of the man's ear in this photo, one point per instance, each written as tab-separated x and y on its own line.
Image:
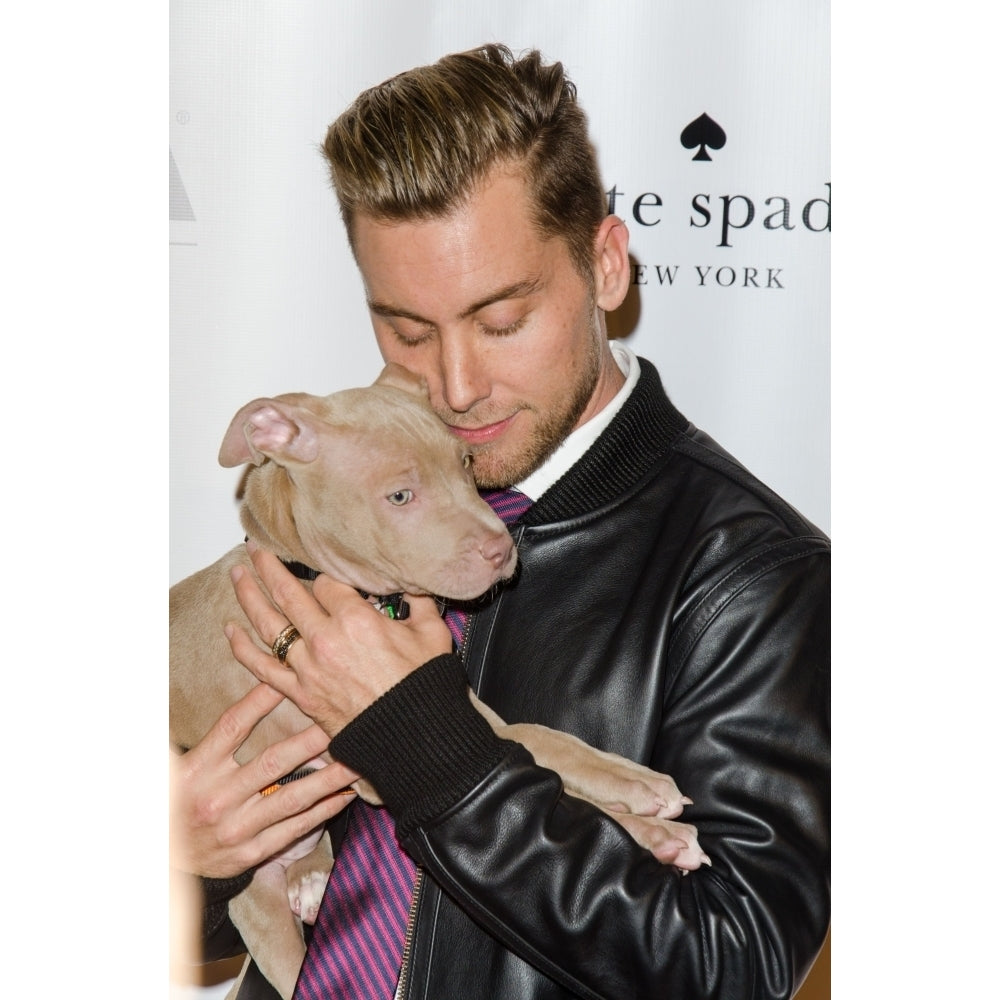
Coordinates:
612	270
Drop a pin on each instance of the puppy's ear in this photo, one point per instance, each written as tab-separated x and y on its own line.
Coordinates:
270	428
402	378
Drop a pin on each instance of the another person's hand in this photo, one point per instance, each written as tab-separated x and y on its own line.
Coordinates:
349	654
220	824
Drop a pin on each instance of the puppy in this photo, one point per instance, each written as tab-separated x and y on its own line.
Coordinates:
368	486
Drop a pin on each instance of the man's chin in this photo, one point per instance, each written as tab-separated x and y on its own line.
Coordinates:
523	447
488	476
492	469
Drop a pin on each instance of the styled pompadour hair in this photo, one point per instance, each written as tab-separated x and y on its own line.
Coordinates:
417	146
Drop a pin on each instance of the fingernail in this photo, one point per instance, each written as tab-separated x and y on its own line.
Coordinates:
229	628
252	546
236	573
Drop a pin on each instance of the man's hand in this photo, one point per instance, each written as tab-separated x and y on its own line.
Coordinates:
221	825
348	654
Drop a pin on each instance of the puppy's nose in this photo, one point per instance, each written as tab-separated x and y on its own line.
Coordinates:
496	550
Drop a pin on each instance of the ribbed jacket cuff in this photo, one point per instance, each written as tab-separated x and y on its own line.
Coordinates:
217	892
422	744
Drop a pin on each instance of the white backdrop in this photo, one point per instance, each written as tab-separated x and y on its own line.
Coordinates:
731	252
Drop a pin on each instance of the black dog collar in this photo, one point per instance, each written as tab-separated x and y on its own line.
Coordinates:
392	605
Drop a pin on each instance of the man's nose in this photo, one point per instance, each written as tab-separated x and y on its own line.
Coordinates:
464	378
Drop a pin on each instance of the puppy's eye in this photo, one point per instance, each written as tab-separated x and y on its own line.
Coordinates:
400	497
466	461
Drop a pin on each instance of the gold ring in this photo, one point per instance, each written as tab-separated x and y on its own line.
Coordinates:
283	643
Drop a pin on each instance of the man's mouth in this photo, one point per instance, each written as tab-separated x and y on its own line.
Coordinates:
485	433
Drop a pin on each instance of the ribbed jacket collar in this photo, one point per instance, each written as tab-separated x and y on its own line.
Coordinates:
637	438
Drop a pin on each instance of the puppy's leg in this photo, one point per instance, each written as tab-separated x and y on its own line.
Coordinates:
271	932
606	779
306	880
644	802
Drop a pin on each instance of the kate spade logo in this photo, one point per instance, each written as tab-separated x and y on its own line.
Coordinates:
701	133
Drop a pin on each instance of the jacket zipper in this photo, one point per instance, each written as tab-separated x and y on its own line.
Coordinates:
463	645
411	927
411	920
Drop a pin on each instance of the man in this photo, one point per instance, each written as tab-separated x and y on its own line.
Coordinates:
669	607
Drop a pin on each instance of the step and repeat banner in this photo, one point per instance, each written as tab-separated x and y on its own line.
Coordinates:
711	122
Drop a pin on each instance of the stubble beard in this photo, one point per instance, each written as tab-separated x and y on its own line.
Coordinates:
493	469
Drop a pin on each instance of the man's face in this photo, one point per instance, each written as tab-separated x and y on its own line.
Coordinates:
499	322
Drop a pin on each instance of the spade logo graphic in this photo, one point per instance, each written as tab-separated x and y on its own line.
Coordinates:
702	132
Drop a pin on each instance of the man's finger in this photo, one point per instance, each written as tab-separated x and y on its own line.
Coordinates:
305	793
277	837
291	596
236	722
267	621
262	665
328	592
286	756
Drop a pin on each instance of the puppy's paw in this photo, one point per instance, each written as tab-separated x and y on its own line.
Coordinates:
306	893
306	880
619	785
642	792
671	843
610	781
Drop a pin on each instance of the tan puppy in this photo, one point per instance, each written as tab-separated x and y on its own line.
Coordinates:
368	486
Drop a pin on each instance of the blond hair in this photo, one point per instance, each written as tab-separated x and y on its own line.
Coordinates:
417	146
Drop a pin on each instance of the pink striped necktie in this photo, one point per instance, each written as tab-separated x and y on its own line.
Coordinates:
357	945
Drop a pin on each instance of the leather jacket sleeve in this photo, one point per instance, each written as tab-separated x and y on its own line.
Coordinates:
743	726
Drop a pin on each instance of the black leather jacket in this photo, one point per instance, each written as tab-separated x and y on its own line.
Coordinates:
669	608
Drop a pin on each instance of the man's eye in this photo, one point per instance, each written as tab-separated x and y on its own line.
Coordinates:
504	329
411	334
400	498
412	340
